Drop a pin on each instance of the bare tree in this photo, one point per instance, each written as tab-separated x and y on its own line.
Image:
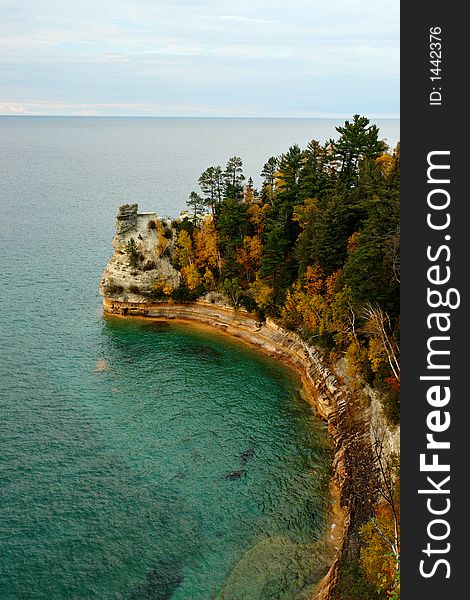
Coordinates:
378	325
386	466
392	252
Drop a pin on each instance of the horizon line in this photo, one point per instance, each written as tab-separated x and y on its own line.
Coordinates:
380	116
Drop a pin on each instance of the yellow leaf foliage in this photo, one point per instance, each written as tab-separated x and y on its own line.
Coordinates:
162	242
355	359
352	242
248	194
249	255
386	163
257	215
279	182
262	293
191	276
162	286
319	307
331	285
205	244
314	280
309	309
377	354
304	213
184	249
209	279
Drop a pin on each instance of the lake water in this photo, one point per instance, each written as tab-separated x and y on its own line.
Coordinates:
140	460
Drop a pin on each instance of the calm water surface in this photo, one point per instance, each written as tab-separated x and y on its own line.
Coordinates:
140	460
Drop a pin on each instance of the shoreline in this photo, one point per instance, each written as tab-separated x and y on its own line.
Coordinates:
330	400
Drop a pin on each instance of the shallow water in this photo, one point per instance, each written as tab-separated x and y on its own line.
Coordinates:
167	463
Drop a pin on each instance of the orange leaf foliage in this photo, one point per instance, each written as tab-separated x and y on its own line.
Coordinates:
205	243
249	255
314	280
377	559
386	163
257	215
262	293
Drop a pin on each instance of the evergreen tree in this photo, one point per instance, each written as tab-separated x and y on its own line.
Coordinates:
197	206
316	176
288	175
212	185
268	174
233	178
233	225
358	139
367	270
133	253
277	265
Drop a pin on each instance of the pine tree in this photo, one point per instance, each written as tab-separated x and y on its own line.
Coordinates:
212	185
268	174
234	178
197	206
358	140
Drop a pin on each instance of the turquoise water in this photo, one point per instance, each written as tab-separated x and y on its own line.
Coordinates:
150	465
138	460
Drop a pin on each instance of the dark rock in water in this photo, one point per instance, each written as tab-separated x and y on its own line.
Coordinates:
204	352
160	583
246	455
231	475
158	326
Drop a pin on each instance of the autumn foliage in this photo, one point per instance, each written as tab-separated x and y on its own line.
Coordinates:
317	249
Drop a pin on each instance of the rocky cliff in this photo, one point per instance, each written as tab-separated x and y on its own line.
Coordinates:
142	246
124	288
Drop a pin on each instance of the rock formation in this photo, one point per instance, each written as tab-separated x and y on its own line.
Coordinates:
126	219
143	246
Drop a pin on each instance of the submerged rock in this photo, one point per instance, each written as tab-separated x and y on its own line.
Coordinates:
101	365
246	455
277	567
231	475
160	583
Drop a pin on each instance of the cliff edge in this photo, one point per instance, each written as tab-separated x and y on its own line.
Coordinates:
143	248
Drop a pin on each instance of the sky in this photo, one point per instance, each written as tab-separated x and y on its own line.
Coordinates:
248	58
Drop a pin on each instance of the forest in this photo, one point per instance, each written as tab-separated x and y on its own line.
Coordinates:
317	248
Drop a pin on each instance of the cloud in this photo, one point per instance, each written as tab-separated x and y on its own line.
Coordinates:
264	58
250	20
13	109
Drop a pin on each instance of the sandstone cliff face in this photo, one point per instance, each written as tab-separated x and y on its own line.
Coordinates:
154	245
350	423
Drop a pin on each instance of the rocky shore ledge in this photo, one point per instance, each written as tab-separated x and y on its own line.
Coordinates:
330	394
331	401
